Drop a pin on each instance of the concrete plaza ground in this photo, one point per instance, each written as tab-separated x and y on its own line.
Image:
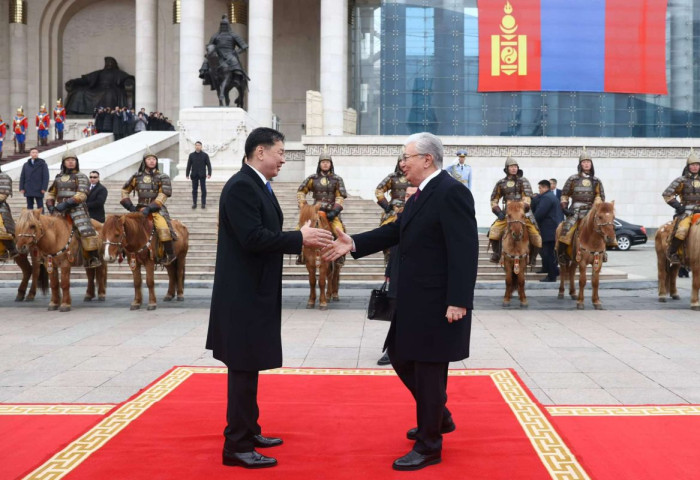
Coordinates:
636	351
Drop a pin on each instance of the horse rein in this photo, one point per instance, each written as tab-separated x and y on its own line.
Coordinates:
508	222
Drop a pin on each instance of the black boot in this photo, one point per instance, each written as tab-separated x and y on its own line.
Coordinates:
169	254
496	251
562	255
534	251
11	249
673	256
94	259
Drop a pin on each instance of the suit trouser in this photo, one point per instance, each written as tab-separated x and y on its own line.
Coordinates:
427	382
196	182
39	203
242	411
549	262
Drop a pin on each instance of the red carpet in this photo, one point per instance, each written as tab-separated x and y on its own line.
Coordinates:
619	443
337	425
31	434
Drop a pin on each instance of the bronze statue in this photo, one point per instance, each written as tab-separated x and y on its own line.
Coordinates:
222	68
109	87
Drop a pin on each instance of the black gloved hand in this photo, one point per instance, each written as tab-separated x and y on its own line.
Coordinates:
501	215
128	204
62	207
51	208
146	211
680	209
331	215
153	207
387	208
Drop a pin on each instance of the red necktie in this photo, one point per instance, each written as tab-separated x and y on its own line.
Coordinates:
417	194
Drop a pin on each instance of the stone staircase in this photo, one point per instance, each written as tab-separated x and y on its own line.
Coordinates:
8	148
359	215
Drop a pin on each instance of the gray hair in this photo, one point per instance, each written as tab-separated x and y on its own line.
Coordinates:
427	143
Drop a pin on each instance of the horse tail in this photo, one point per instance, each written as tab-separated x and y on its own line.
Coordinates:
43	279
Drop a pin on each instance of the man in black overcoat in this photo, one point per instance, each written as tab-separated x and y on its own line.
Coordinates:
246	306
548	215
199	170
97	196
438	248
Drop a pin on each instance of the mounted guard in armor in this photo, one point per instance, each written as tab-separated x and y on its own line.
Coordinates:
153	189
70	189
222	69
395	183
513	187
584	189
7	224
684	196
327	188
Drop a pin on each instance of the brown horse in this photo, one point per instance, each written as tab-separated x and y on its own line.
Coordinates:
34	270
668	273
132	236
58	247
328	272
514	256
595	232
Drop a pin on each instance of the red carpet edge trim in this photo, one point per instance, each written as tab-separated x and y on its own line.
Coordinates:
552	451
55	409
623	411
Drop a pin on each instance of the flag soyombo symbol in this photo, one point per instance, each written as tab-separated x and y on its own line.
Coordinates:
508	51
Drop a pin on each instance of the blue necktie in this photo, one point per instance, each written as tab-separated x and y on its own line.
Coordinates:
269	188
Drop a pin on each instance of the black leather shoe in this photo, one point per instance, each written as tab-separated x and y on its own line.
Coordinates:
266	442
384	360
447	427
546	279
194	205
247	460
415	461
204	207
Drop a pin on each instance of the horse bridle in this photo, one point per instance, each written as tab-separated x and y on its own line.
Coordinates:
508	222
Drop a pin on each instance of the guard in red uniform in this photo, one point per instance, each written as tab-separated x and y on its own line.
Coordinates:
43	123
59	119
20	124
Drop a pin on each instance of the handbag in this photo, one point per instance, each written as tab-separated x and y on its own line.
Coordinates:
380	306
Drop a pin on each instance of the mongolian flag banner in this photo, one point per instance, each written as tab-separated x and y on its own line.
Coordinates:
572	45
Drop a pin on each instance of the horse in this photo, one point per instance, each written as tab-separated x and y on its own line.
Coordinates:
515	251
58	247
34	270
132	236
668	273
224	80
328	272
595	232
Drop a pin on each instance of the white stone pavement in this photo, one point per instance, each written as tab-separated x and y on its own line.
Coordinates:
637	351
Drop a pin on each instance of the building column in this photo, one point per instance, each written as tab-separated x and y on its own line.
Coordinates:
18	67
191	53
334	64
260	61
681	82
146	55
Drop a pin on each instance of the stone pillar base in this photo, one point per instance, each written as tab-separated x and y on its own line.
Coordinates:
222	131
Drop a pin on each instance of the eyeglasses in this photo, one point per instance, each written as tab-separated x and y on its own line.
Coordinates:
405	158
92	176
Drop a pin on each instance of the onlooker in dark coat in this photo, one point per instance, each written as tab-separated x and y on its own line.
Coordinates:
198	169
97	196
107	122
557	191
548	215
34	180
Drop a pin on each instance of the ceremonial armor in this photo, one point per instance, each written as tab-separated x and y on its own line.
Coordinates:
683	194
396	184
583	190
7	224
328	190
74	186
152	187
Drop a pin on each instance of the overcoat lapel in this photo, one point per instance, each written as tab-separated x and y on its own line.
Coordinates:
422	200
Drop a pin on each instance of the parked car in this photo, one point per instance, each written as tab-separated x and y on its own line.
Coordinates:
629	234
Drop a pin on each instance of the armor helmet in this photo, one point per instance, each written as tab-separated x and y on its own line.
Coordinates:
147	153
511	161
397	169
586	156
20	111
692	158
224	26
324	156
66	155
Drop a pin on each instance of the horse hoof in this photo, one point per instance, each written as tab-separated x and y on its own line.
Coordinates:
505	304
662	299
309	306
151	307
676	297
323	307
579	306
87	299
167	298
19	298
29	299
101	299
574	297
560	296
180	298
695	308
64	308
53	308
523	305
597	306
134	307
